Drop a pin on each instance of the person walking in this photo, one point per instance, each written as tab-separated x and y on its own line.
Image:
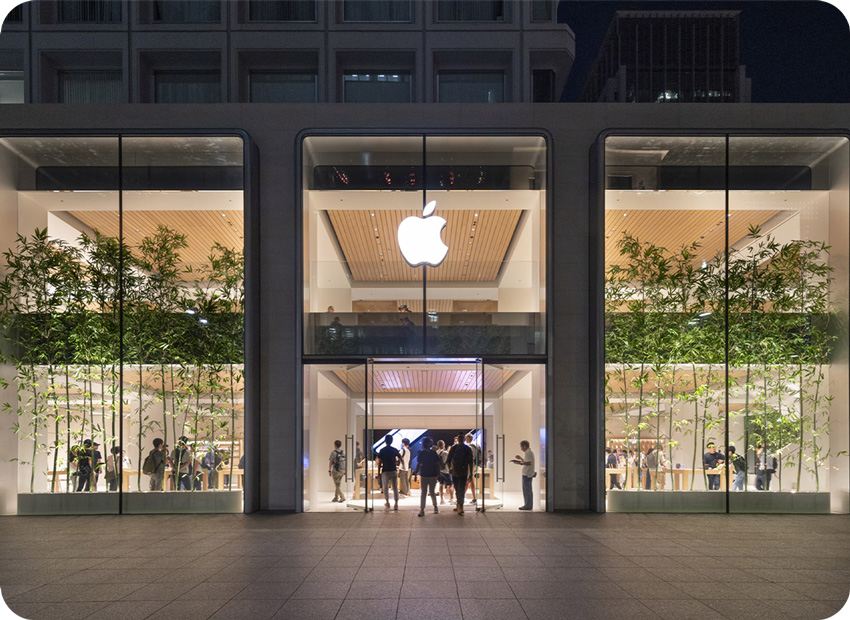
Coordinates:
155	464
428	467
739	463
476	454
183	460
336	470
445	476
461	464
528	474
387	462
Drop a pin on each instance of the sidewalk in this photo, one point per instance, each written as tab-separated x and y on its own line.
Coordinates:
498	566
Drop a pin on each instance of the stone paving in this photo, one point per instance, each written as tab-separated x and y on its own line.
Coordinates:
493	566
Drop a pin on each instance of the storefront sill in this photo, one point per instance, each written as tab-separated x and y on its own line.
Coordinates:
199	502
756	502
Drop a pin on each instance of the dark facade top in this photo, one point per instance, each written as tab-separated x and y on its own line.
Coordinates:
669	57
284	51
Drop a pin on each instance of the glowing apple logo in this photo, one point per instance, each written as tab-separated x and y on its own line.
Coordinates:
419	238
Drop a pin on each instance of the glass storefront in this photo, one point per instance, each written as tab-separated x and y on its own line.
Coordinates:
726	290
487	295
121	297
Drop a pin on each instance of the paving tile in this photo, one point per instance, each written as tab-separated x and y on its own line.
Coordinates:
322	589
688	609
325	609
429	609
220	591
191	609
159	592
484	589
479	573
127	610
271	590
367	573
51	593
354	609
374	589
253	609
536	609
500	609
644	590
428	589
31	611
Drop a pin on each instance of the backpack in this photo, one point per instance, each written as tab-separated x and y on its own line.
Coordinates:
339	460
149	466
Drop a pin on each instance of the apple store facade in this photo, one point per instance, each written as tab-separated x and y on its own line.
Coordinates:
631	292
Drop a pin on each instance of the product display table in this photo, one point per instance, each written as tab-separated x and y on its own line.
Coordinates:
681	477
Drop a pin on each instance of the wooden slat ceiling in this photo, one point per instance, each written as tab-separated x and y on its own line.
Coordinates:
388	381
477	244
673	229
202	229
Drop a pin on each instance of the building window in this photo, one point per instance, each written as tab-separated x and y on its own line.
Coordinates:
541	11
98	11
464	87
16	15
187	87
373	87
186	11
282	10
271	87
470	10
11	86
90	87
543	86
377	11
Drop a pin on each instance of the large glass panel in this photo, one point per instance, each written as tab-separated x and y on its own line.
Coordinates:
471	10
90	87
88	11
488	295
376	87
788	293
186	11
187	87
276	87
665	400
493	461
183	372
11	86
59	348
360	296
282	10
376	10
478	286
471	87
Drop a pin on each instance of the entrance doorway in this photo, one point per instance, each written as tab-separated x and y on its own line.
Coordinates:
360	405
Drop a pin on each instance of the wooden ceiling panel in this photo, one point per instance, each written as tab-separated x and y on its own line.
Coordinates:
202	229
412	381
671	229
478	243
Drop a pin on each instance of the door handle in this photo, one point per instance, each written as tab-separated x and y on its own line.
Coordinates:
501	454
349	467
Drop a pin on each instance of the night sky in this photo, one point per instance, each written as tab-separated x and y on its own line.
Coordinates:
795	51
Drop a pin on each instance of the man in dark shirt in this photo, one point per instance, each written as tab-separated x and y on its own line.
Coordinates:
387	461
611	463
740	465
462	461
713	460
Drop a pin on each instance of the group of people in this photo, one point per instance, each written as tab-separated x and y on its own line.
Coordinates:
653	461
87	465
453	471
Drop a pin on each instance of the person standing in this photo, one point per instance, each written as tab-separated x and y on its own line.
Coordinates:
428	467
712	460
528	474
445	476
83	464
650	467
461	465
765	468
336	470
404	467
387	462
112	469
611	462
158	458
182	459
739	463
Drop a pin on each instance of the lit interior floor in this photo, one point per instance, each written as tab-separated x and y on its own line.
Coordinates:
511	501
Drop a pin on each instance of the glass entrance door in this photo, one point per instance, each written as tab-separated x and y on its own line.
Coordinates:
493	460
360	474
